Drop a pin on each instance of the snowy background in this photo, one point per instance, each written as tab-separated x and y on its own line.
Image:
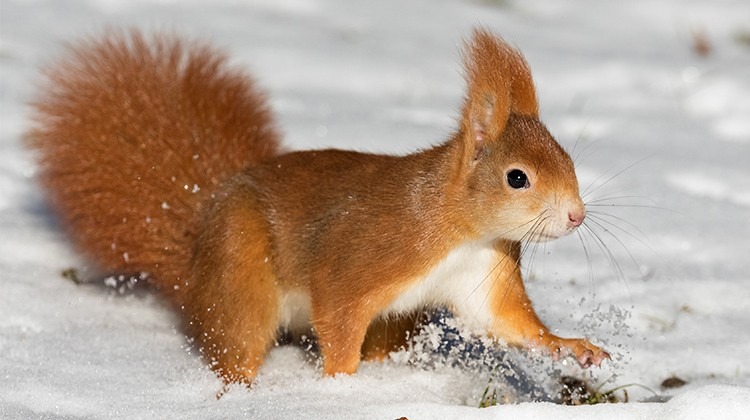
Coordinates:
654	96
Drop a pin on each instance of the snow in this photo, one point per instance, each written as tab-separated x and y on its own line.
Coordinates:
662	133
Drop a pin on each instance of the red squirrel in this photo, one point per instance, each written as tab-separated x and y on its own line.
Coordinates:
161	158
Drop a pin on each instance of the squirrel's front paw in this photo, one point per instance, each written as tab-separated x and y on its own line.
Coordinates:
586	353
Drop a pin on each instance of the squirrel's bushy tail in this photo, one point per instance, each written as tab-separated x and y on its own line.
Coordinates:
133	134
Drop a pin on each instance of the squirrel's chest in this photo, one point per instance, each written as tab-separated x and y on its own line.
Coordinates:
460	281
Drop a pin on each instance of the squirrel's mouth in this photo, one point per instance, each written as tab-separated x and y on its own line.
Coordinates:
544	237
547	234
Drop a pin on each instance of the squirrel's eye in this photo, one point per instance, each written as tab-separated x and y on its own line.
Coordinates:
517	179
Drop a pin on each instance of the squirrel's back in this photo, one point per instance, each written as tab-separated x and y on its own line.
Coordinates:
133	134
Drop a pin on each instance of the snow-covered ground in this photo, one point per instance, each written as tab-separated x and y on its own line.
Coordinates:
662	132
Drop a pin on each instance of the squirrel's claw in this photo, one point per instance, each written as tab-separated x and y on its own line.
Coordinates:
589	358
585	353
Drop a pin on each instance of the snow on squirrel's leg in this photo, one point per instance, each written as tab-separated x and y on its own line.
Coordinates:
386	335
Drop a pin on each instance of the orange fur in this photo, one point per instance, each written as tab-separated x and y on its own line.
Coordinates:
331	239
132	136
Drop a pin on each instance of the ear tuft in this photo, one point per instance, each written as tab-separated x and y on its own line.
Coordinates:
499	83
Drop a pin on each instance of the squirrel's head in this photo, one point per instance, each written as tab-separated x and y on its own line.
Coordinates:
520	183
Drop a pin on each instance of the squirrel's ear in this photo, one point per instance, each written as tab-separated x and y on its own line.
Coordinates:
499	83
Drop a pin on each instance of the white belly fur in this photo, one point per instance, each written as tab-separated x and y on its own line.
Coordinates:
460	281
295	309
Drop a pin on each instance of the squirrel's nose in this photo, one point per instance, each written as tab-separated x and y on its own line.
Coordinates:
575	218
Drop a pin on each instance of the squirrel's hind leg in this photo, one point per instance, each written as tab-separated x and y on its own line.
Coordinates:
233	304
386	335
